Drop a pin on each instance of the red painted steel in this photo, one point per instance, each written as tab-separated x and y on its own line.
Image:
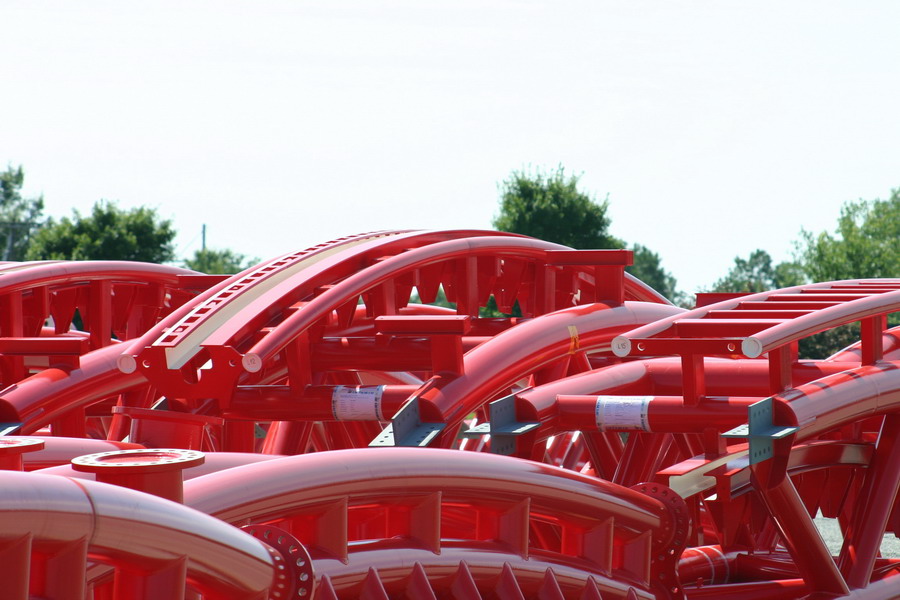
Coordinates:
553	340
113	300
447	507
51	526
318	350
269	313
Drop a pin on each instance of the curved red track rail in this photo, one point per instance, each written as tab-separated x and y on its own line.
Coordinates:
356	509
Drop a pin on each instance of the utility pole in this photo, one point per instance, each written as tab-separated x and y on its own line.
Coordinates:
11	237
203	238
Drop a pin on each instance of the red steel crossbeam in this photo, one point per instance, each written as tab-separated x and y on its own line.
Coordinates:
654	389
490	369
724	329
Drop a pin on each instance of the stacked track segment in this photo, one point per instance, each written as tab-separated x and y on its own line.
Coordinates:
769	326
275	325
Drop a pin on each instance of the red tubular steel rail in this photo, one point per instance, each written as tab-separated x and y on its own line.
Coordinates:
828	404
268	313
579	402
493	367
890	344
58	396
50	527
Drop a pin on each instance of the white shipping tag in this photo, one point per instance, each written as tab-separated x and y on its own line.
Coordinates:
622	413
357	403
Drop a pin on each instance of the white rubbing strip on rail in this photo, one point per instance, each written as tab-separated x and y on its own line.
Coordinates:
187	347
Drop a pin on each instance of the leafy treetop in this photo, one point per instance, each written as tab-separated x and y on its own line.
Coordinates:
863	246
551	207
757	274
108	233
220	262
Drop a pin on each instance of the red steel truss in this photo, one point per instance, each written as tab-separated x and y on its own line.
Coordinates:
315	427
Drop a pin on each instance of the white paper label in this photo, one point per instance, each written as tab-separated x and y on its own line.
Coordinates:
622	413
357	403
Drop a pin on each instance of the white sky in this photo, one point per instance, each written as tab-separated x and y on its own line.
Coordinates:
715	127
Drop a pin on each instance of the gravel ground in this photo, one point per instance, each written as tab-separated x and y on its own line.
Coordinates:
831	532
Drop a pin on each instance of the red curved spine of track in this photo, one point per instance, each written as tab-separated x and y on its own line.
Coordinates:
229	331
56	523
433	485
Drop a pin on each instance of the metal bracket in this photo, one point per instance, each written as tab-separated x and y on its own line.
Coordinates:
9	428
161	404
503	427
759	431
407	429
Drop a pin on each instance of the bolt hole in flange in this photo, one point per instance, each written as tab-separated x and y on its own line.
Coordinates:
674	535
295	578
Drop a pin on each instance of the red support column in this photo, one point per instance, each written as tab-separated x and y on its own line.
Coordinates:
871	331
156	472
802	539
12	449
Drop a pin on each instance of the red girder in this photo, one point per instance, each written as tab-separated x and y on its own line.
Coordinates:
493	367
725	328
53	395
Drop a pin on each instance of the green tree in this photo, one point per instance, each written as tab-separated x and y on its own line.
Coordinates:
864	244
19	217
108	233
551	207
221	262
757	274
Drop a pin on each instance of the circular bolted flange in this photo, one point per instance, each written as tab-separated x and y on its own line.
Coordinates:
138	461
154	471
675	531
12	449
295	577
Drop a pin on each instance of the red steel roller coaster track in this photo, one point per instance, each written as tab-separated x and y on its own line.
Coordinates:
267	435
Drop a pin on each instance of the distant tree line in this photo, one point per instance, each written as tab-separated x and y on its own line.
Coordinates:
106	233
863	246
545	205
